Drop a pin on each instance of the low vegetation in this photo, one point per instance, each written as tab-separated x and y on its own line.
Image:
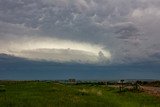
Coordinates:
50	94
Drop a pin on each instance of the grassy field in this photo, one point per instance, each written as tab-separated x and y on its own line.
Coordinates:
42	94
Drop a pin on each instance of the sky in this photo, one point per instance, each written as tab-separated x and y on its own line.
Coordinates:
93	32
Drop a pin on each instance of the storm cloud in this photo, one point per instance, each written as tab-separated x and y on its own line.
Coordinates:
125	31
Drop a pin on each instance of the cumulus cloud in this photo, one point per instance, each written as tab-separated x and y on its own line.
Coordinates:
127	29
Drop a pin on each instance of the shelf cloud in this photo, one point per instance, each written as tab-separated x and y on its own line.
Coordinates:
50	49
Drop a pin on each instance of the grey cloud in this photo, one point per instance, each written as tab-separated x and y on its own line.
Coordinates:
15	29
126	30
126	27
156	55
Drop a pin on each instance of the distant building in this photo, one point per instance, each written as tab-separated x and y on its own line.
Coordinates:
72	81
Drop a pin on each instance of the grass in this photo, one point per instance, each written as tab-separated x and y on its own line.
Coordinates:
41	94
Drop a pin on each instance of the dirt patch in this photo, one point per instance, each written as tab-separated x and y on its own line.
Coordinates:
155	91
152	90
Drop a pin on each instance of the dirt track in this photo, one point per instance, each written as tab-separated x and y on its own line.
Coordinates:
155	91
152	90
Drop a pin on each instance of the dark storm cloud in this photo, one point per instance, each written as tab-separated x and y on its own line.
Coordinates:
66	18
126	27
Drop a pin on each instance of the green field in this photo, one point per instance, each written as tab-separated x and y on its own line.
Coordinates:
43	94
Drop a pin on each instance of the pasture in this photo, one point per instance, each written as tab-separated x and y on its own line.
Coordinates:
50	94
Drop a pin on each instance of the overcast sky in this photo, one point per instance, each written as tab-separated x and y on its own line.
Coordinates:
85	31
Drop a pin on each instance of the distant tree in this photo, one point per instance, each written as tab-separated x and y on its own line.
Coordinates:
2	88
136	86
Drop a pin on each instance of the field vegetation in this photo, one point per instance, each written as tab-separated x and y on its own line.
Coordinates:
50	94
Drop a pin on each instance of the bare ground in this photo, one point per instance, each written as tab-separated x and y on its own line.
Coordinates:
155	91
152	90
